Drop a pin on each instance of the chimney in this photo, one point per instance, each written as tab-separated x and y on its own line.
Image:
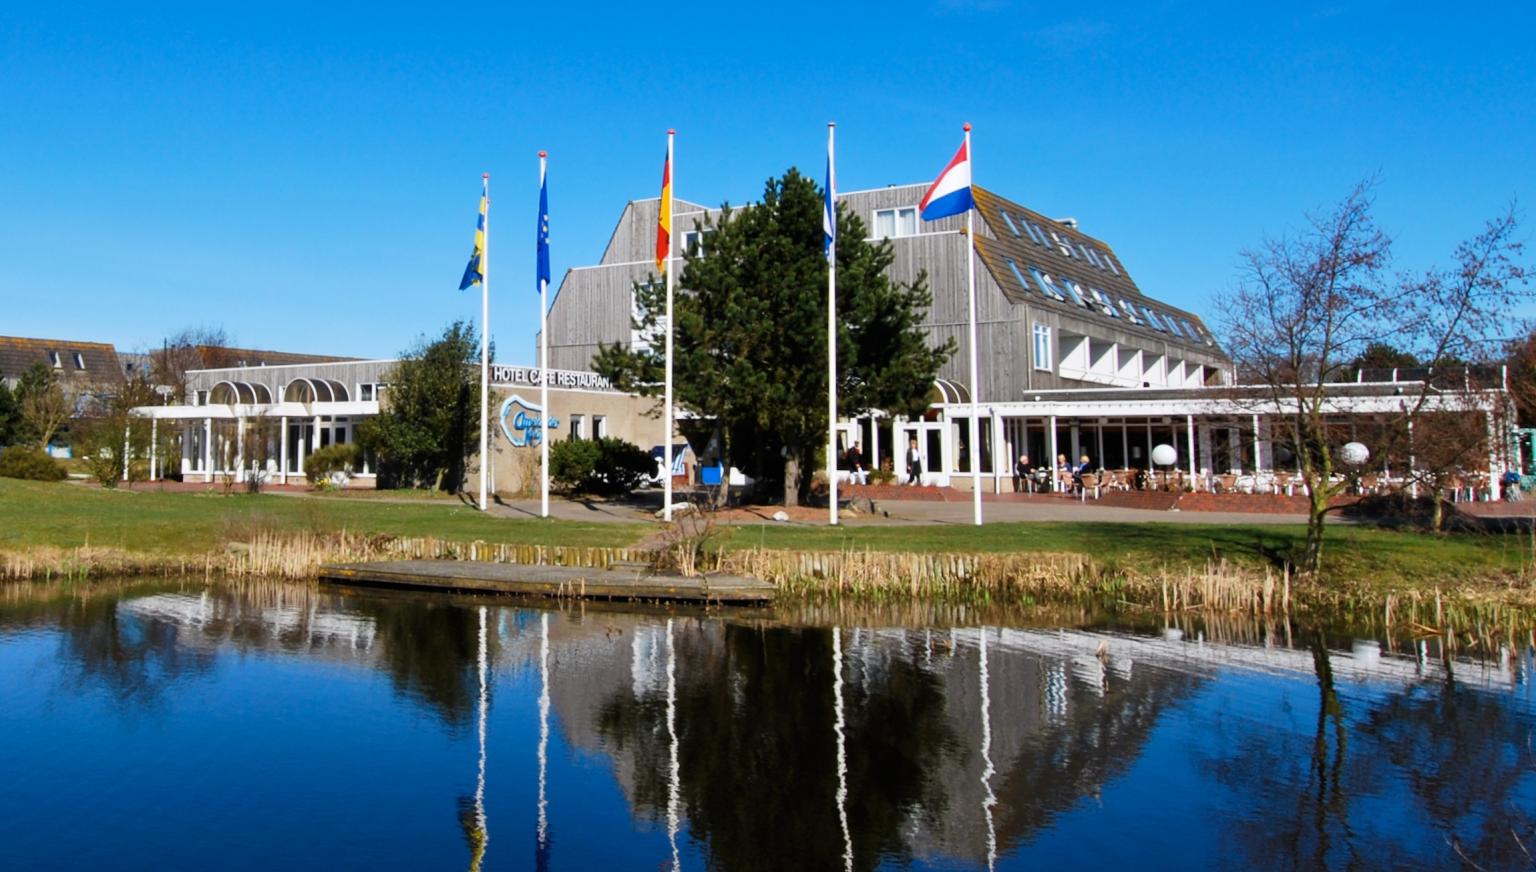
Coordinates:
1067	222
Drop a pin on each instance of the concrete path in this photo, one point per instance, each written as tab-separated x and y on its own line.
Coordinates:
893	512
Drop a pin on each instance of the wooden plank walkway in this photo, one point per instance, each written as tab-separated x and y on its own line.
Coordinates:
620	583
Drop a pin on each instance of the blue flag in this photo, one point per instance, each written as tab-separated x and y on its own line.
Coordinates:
543	228
829	208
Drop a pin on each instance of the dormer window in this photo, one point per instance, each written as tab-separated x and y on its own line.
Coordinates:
79	360
53	358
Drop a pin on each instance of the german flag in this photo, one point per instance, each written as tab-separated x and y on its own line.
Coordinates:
664	219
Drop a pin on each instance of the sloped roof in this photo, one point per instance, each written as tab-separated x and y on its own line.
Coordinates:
1024	246
223	357
96	361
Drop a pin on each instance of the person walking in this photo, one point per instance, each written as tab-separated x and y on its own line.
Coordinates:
856	470
914	463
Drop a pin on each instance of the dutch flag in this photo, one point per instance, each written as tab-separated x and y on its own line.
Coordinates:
951	192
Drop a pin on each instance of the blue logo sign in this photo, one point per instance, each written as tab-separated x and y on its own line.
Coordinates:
520	422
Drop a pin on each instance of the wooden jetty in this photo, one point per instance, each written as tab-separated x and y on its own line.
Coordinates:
618	582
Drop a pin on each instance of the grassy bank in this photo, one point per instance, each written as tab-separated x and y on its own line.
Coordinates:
63	516
51	530
1354	555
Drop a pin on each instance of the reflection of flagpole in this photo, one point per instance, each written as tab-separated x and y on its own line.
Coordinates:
480	823
543	831
842	747
673	770
990	799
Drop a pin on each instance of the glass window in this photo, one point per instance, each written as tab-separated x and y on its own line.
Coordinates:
1090	255
1061	244
895	222
53	358
1007	219
365	392
1018	275
696	242
1104	303
1036	233
1042	346
1110	262
79	361
1130	312
599	426
576	428
1047	284
1076	291
1151	318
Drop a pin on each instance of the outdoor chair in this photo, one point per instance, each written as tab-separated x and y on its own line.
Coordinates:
1283	481
1090	483
1227	483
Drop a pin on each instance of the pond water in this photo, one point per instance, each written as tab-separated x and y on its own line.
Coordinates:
271	726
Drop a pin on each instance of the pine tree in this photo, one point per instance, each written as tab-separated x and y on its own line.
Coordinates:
750	348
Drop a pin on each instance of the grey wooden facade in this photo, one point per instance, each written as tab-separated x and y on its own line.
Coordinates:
1099	332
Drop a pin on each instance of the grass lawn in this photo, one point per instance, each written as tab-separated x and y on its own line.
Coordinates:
66	516
1369	556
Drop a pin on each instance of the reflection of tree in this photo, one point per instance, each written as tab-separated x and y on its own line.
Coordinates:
758	756
1453	758
1467	760
134	657
1097	739
430	651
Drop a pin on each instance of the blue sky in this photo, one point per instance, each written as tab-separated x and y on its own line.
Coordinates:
306	175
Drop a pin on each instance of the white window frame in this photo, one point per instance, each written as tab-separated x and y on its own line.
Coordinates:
576	427
895	213
1043	349
599	426
56	360
79	360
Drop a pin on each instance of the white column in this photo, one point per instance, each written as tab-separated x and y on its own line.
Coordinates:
1494	485
239	449
1051	462
154	447
207	449
874	442
126	458
1000	452
1413	462
1190	422
282	452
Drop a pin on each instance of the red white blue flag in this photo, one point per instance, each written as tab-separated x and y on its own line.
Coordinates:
951	192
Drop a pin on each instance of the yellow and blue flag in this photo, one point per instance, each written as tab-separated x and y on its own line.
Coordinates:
474	273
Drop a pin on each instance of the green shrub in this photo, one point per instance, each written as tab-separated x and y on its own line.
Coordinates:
598	466
29	463
320	465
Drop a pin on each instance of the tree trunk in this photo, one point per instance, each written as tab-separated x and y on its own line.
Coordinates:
791	480
1437	514
1317	510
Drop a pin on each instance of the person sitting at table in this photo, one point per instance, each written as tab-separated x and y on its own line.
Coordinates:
1063	472
1084	466
1023	472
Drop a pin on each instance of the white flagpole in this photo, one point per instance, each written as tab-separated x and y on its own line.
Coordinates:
666	445
543	372
485	344
832	333
970	273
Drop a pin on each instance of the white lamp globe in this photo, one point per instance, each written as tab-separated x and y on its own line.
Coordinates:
1164	455
1354	454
